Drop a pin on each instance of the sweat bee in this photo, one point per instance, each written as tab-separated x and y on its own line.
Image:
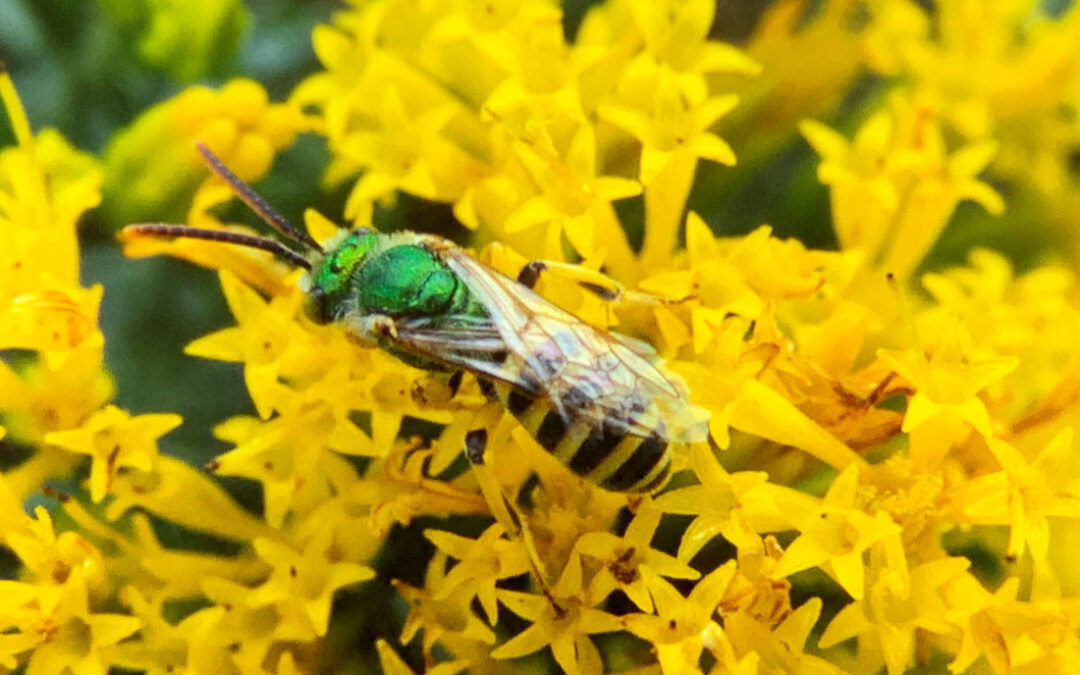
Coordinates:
600	403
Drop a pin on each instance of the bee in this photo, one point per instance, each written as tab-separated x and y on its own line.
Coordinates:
599	402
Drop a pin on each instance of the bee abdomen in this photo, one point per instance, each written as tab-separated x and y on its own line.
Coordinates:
640	465
606	454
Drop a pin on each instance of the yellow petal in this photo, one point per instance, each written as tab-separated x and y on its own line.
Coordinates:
761	411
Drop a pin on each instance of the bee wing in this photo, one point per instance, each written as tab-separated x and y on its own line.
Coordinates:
475	346
581	368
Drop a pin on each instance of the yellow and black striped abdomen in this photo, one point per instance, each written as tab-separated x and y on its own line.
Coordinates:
607	453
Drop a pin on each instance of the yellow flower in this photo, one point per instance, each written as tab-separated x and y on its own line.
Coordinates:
285	455
621	560
682	625
895	608
895	186
973	607
76	640
1029	316
236	122
52	321
674	134
449	622
302	584
19	611
482	562
782	649
960	420
50	613
392	664
574	199
265	332
160	647
1025	493
720	504
43	400
836	536
985	63
55	560
948	382
138	557
113	439
401	161
229	635
1036	635
397	489
181	494
45	185
677	35
562	622
673	129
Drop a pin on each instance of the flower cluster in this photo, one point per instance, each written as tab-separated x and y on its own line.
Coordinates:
890	479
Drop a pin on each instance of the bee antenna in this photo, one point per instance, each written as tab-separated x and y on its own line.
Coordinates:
255	202
169	231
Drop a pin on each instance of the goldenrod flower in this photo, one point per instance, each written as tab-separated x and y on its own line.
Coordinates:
114	440
896	185
837	536
621	560
948	382
76	640
448	621
237	122
303	584
683	626
718	503
563	623
897	604
782	649
482	562
1025	493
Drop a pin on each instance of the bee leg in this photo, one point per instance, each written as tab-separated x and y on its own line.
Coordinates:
530	274
436	390
371	330
506	514
597	283
455	382
475	444
501	507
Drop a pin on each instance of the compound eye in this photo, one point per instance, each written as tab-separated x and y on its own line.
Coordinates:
316	306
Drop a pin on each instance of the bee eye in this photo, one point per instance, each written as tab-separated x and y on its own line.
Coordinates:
335	268
316	307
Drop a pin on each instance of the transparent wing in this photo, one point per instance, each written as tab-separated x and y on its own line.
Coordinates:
475	346
581	368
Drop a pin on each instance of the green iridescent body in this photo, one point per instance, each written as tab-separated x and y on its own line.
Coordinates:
367	274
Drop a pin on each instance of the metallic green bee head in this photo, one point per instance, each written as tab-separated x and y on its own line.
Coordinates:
331	278
359	272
